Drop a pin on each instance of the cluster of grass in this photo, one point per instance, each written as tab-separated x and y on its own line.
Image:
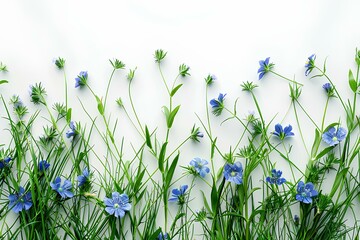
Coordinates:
49	188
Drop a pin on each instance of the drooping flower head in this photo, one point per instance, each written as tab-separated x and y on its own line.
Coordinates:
178	195
334	136
64	190
20	201
275	177
59	62
282	133
310	64
305	192
43	165
265	67
5	162
84	178
329	89
196	134
72	131
218	104
210	79
81	79
233	172
117	205
198	165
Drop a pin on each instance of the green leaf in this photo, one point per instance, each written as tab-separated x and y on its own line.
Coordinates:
148	139
170	172
206	203
214	198
316	143
175	90
3	81
138	181
68	115
100	105
162	157
352	83
167	113
171	117
213	148
155	234
323	152
338	179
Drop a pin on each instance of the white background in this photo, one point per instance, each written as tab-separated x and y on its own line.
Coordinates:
225	38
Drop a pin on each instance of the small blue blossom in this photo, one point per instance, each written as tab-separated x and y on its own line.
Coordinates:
334	136
20	201
64	190
199	166
218	104
43	165
283	133
178	195
306	192
329	89
117	205
5	162
310	64
84	178
275	177
162	236
81	79
196	134
265	67
233	172
72	131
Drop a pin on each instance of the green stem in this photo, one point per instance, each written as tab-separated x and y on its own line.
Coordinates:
300	131
287	79
324	115
108	87
134	111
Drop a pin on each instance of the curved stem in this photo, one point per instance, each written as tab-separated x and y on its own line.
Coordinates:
108	87
287	79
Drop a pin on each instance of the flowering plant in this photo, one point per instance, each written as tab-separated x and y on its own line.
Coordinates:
60	185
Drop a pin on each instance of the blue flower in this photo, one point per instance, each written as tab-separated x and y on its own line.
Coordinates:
265	67
5	162
218	104
196	134
199	165
84	178
178	195
283	133
81	79
43	165
334	136
20	201
306	192
329	89
162	236
233	172
276	177
117	205
64	190
72	131
310	64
